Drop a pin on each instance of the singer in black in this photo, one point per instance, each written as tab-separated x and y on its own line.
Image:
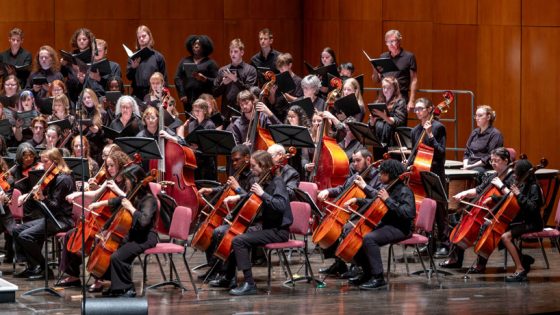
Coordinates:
29	237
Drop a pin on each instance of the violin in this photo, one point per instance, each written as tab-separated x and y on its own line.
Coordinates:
336	83
43	182
4	185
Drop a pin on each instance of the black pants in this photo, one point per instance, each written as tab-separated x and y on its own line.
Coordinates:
243	243
69	262
369	256
7	225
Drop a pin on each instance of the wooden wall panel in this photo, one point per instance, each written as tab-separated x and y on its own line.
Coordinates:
499	77
407	10
182	10
318	35
540	12
499	12
100	10
18	11
455	12
323	9
361	10
540	130
36	34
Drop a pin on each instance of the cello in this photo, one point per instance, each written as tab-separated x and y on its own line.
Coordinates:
424	154
330	228
331	162
177	166
203	236
375	211
100	258
506	211
259	137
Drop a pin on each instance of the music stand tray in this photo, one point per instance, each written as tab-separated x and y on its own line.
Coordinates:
75	164
215	142
146	147
291	136
433	187
364	134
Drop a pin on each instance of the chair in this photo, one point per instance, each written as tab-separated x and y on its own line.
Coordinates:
17	214
552	234
179	230
301	212
424	223
310	188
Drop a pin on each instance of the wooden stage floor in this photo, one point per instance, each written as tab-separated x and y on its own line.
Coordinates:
481	294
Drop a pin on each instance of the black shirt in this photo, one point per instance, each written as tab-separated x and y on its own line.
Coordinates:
402	209
480	144
191	87
437	142
21	58
140	77
246	78
260	61
405	62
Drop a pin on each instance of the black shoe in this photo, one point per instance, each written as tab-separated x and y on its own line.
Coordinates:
208	276
353	272
245	289
477	269
130	293
223	282
526	262
69	282
260	261
373	284
337	268
359	280
517	277
442	252
23	273
451	263
40	275
108	292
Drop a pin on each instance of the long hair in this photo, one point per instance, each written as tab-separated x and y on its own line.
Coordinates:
56	157
55	66
302	116
74	40
263	160
132	101
144	28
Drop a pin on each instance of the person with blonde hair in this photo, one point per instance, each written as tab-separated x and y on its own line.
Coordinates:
483	139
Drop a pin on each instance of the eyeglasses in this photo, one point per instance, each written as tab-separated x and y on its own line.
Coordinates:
479	116
419	109
389	42
151	118
10	84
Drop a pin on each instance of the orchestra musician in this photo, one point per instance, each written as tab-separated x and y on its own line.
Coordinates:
7	222
29	236
206	164
279	101
289	175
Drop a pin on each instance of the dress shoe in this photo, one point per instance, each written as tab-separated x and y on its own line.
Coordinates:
130	293
451	263
442	252
69	282
245	289
517	277
208	276
223	282
526	262
337	268
373	284
23	273
354	271
97	286
476	269
359	280
40	274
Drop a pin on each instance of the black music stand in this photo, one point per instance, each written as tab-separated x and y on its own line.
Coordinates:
75	164
291	136
304	196
147	148
48	216
215	142
405	133
364	134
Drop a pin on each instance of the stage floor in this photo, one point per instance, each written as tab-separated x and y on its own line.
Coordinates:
481	294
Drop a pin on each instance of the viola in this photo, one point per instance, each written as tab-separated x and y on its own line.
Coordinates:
375	211
505	212
120	226
424	154
330	228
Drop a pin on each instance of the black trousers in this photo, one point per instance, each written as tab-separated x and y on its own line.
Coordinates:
7	225
69	262
369	256
242	244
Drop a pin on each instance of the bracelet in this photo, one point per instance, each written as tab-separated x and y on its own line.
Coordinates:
238	190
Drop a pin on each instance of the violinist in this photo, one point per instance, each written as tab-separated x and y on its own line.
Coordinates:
29	236
240	158
276	220
250	108
26	160
482	141
70	262
361	160
396	225
100	177
288	174
435	135
7	222
141	236
499	159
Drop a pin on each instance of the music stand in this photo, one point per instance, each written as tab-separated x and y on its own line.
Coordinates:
304	196
406	136
291	136
215	142
433	187
364	134
147	148
75	164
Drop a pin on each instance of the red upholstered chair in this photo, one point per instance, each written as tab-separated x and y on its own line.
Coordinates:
424	223
17	214
179	230
310	188
512	154
550	233
301	212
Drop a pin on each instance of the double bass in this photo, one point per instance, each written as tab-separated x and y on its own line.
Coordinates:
330	228
424	154
259	137
331	162
177	166
506	211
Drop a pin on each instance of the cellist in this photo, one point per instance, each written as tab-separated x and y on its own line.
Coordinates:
499	159
29	237
361	159
435	135
276	220
70	262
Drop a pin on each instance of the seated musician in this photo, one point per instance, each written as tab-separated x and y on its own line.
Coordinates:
240	157
248	104
482	141
276	220
349	144
499	159
141	236
150	129
288	174
26	160
206	164
396	225
29	236
435	136
361	159
70	262
7	222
